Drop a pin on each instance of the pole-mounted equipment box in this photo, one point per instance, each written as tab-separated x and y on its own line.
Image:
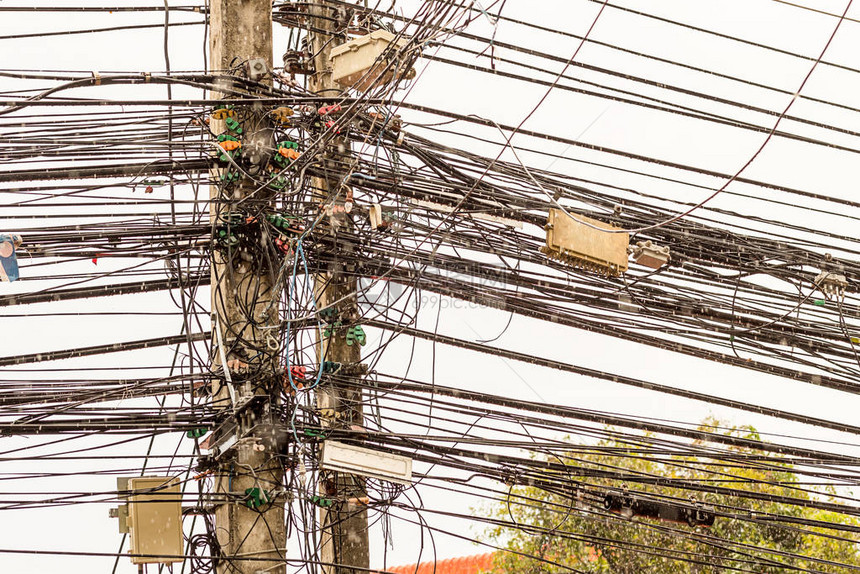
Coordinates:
358	63
154	519
366	462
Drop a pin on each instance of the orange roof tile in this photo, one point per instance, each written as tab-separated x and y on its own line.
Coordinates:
461	565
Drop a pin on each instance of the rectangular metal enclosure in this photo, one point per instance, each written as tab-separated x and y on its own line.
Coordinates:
583	243
366	462
155	520
356	63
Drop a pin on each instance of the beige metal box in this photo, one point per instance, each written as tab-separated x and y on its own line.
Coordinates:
581	242
356	63
155	520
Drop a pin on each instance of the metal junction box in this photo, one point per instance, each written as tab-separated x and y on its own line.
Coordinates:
586	243
366	462
155	520
651	255
356	64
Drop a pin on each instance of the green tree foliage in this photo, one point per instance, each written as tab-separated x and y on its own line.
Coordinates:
568	530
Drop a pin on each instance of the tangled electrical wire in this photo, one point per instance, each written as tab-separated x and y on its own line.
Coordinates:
377	197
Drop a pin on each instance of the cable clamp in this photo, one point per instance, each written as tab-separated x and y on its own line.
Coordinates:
97	78
147	77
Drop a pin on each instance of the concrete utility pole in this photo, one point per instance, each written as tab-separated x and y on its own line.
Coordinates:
344	537
241	32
